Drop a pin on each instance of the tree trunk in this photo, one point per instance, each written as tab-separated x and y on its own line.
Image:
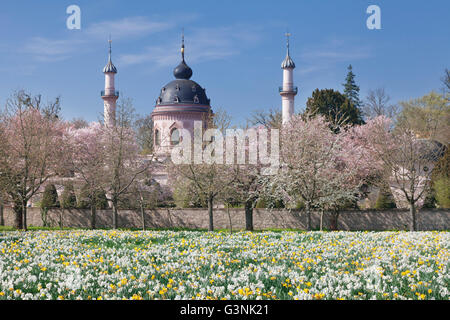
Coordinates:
24	215
249	215
44	216
2	218
18	219
308	216
229	218
334	220
93	214
143	216
321	220
61	213
115	215
412	210
210	212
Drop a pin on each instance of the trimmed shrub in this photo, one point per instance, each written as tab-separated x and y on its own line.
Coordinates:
442	192
270	203
49	200
184	196
429	201
261	204
68	198
441	181
50	197
84	199
385	200
100	200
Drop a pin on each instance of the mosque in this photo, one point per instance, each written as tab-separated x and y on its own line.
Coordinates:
183	101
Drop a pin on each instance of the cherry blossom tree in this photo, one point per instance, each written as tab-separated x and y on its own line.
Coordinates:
406	160
32	149
313	166
87	161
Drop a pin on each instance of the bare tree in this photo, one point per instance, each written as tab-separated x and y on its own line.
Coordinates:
377	103
271	118
446	80
78	123
145	192
428	117
210	180
123	163
143	127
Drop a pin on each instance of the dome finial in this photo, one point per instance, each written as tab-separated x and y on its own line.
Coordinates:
182	71
287	34
109	66
287	62
182	44
110	46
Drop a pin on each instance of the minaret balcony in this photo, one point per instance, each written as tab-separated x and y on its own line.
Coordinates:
109	93
293	90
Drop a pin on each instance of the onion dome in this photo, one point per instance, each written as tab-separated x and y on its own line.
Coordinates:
182	91
287	63
182	71
109	68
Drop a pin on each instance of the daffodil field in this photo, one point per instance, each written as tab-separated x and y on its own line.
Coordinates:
216	265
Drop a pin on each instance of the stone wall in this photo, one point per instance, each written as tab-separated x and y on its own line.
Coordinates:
394	219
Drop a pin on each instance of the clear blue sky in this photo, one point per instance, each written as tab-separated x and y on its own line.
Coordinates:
234	48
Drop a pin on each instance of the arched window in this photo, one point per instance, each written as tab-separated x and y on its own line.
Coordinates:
174	137
157	138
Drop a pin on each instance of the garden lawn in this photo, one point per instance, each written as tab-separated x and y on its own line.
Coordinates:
216	265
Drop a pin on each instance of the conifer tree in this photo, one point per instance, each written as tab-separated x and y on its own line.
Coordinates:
334	106
385	199
351	89
49	200
68	198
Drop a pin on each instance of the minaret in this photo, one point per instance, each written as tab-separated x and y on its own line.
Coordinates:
109	95
287	91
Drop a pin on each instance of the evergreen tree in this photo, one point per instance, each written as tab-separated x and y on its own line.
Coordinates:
85	200
68	198
334	106
351	89
101	200
49	200
385	199
442	190
430	200
50	197
441	180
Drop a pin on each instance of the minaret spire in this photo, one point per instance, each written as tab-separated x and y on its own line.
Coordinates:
287	34
110	49
287	91
109	94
